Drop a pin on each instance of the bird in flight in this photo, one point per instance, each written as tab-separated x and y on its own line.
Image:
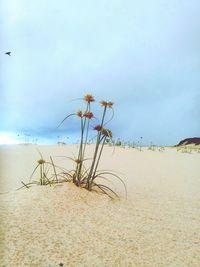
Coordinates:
8	53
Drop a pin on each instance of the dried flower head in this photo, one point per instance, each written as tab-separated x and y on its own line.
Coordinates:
79	113
110	104
106	104
89	98
98	127
106	132
103	103
78	161
88	115
41	161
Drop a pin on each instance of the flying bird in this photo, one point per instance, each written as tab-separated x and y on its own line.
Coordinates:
8	53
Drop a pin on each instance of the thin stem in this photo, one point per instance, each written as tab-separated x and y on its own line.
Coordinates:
87	130
95	153
103	117
81	154
98	141
100	153
110	118
41	174
86	120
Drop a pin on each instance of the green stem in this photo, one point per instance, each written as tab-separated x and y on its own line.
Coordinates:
100	153
81	149
87	130
98	141
78	170
103	117
41	182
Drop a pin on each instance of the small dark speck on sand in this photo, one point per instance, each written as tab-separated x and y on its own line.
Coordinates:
61	264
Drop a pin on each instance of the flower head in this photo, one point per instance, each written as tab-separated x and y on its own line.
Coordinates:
106	132
41	161
89	98
88	115
78	161
110	104
106	104
79	113
98	127
103	103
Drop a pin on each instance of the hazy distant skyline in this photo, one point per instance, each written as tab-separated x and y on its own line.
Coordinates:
142	55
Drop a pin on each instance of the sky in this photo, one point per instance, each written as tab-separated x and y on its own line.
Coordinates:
142	55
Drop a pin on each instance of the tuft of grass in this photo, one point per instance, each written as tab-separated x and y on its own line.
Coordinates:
161	149
87	177
47	174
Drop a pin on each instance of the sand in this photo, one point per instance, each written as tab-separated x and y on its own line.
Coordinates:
157	225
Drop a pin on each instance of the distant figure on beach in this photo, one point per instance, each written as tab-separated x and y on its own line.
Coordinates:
8	53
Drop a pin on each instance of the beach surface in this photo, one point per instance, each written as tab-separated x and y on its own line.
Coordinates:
63	225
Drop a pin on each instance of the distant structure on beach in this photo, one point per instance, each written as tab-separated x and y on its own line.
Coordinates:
189	141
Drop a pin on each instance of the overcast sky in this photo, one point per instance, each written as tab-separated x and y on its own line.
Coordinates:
142	55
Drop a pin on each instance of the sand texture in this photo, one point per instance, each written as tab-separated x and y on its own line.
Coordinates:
157	225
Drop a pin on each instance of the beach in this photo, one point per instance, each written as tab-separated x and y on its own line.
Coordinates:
156	225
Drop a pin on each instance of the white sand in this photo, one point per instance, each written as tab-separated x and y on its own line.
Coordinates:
159	224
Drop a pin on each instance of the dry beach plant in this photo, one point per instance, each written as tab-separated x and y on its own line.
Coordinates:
87	177
47	173
82	176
